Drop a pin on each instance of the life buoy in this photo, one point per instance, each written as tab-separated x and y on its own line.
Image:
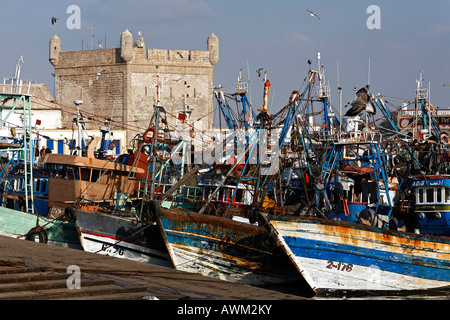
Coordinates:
148	139
404	122
37	231
237	168
445	139
430	107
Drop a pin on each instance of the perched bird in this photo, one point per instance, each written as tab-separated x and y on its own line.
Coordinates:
313	14
361	103
54	20
294	97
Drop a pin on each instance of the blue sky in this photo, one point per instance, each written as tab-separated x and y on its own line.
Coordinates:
278	36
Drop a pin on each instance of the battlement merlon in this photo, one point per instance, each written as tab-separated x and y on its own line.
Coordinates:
133	54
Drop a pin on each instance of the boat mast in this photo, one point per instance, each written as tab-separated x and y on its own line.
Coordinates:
18	91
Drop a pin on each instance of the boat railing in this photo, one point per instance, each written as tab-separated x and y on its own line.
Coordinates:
421	93
323	91
419	112
184	192
15	86
241	87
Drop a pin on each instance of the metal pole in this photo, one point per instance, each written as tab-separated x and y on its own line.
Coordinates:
79	149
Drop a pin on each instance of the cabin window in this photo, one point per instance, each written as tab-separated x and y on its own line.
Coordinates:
430	195
439	195
239	196
95	175
420	196
220	196
44	185
447	195
226	196
85	174
76	173
206	192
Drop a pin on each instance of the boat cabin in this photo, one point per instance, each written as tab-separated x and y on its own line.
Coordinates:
70	177
432	204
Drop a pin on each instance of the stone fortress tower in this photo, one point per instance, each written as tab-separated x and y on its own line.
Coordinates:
120	83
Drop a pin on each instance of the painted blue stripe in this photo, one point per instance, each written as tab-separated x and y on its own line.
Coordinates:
421	267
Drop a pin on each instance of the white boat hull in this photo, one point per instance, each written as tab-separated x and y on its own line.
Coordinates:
336	256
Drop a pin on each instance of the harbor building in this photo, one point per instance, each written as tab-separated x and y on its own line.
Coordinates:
121	84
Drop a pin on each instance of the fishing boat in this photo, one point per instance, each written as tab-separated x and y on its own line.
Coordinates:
225	239
377	249
97	196
125	228
34	198
121	236
20	216
343	257
213	243
226	249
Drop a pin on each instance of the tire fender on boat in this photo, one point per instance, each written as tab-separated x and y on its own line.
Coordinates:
37	231
368	217
269	241
152	211
69	214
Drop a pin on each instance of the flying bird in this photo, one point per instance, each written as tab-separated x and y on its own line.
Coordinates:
99	74
259	72
313	14
361	103
54	20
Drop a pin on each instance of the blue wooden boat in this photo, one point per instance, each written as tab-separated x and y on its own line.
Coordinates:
225	249
337	256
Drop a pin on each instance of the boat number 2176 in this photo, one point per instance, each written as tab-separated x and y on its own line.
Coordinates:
340	266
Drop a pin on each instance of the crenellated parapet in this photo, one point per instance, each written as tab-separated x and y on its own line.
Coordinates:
120	83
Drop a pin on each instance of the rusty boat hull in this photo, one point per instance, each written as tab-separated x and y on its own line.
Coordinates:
225	249
335	256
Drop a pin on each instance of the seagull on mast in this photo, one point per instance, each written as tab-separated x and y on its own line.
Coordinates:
313	14
361	103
